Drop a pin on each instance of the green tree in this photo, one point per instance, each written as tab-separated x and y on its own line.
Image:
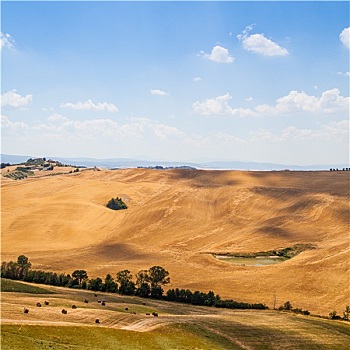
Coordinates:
157	276
333	315
126	285
109	285
143	288
24	265
95	284
80	275
116	204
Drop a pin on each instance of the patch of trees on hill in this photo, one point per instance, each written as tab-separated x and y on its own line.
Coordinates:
149	284
116	204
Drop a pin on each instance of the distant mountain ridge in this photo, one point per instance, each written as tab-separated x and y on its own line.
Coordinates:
111	163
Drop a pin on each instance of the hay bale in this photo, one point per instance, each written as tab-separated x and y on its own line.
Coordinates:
25	310
99	301
64	311
148	314
95	295
97	320
74	306
46	302
38	304
103	303
86	301
155	314
126	308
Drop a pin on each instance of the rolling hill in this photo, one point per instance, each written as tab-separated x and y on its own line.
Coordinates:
175	218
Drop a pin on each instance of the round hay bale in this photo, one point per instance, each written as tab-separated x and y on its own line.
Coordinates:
74	306
25	310
38	304
97	320
64	311
46	302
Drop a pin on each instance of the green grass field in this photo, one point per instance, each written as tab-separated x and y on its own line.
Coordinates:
15	286
179	326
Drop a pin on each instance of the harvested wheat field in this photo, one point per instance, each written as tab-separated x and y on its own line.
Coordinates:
127	323
176	217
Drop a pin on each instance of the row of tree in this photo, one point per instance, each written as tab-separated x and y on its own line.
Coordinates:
148	284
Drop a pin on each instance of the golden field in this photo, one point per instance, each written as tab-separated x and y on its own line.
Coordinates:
175	217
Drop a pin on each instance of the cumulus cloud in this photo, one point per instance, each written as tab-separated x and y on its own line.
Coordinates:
6	41
219	106
11	98
89	105
258	43
329	102
159	92
197	79
345	37
218	54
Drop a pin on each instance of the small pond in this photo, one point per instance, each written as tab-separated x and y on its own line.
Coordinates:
250	261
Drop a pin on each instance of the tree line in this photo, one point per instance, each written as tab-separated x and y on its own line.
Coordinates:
147	284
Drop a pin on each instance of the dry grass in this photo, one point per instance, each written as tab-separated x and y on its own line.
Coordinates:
178	326
174	217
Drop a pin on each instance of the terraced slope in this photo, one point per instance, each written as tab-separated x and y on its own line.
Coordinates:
175	217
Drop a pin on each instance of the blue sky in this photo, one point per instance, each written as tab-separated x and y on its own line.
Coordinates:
257	81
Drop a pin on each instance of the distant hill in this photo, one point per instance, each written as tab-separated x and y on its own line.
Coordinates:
111	163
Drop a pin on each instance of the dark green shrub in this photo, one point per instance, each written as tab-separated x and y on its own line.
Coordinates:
116	204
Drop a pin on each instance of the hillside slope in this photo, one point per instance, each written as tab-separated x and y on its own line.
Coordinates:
175	217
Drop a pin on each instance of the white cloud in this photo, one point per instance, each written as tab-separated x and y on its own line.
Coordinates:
344	74
159	92
60	127
345	37
333	131
6	123
164	131
197	79
6	41
258	43
219	106
218	54
329	102
248	99
57	118
89	105
11	98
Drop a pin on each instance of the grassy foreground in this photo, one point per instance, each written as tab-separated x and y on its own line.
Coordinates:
178	326
168	337
14	286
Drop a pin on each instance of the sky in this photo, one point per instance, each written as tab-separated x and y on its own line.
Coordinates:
177	81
